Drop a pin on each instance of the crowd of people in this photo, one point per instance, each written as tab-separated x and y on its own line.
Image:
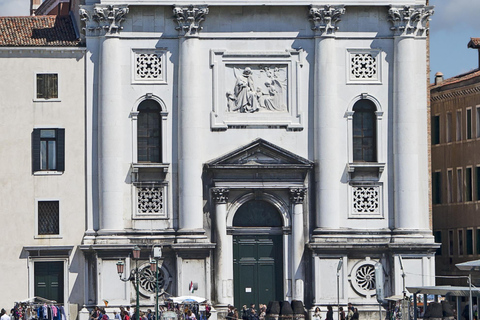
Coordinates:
247	313
351	314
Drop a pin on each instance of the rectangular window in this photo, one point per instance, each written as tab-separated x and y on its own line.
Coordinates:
450	242
478	241
469	241
47	86
48	217
477	182
437	187
436	130
449	127
458	128
48	150
459	185
468	184
478	121
449	185
438	239
460	242
469	124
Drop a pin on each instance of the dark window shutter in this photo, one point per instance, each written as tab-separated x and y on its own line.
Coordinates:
36	150
60	149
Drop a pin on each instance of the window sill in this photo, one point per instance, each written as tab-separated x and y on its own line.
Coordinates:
155	166
47	100
48	173
366	165
48	236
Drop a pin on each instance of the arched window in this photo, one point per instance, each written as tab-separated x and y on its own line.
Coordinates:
364	131
257	213
149	132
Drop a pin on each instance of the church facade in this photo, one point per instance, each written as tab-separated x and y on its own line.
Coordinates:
273	150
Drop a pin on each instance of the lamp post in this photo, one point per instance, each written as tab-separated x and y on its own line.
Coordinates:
157	255
339	267
133	276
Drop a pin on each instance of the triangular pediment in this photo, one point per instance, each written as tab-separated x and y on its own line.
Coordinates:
259	153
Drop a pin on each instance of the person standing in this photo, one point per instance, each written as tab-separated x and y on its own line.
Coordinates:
4	315
342	313
317	315
329	313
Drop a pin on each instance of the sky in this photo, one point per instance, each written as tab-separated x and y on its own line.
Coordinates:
451	27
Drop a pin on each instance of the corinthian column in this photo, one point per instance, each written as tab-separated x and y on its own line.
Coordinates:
190	95
223	253
410	117
297	195
327	116
112	170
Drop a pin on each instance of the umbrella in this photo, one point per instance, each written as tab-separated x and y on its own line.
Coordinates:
187	299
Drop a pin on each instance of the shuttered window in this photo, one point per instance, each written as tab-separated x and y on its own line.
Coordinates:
47	86
48	150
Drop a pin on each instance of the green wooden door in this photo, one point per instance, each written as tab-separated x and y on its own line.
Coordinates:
49	280
258	269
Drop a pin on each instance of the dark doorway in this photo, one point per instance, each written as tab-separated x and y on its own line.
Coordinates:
49	280
257	254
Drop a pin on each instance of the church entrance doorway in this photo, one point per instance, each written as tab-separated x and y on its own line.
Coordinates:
257	254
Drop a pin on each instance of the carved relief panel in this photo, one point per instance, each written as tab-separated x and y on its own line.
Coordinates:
256	89
151	201
364	66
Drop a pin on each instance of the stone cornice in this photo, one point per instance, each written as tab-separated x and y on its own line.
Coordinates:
454	93
410	20
189	18
103	18
325	18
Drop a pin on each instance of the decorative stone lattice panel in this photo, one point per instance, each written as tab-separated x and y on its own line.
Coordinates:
150	200
149	66
366	199
363	66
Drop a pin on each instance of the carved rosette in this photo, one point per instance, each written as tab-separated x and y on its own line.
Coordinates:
297	195
410	20
103	18
220	195
189	18
325	18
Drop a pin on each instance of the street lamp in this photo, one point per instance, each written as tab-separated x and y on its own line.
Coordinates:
339	267
154	266
133	276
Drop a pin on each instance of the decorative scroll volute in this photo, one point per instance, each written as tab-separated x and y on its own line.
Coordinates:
103	18
410	20
189	18
220	195
297	195
325	18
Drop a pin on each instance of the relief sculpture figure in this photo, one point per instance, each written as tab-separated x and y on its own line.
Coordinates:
245	92
248	98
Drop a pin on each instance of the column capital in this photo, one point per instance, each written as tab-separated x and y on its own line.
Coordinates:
325	18
410	20
220	195
189	18
297	195
102	19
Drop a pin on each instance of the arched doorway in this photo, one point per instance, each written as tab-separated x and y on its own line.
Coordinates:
257	254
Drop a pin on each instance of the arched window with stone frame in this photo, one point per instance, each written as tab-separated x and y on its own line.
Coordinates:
364	131
149	131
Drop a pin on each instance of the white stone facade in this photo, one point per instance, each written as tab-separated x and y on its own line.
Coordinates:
258	103
257	107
